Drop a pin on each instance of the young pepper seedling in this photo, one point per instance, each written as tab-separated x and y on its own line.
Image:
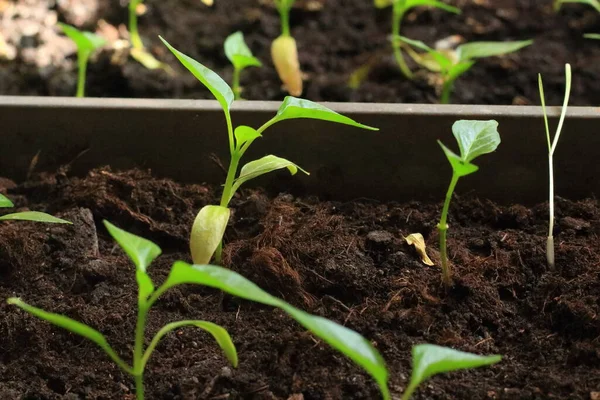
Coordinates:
552	143
211	221
474	138
35	216
284	52
142	252
399	10
429	360
451	64
241	57
87	43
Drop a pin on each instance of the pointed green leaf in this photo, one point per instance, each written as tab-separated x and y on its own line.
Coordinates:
341	338
263	166
141	251
428	360
5	202
85	41
470	51
207	232
34	216
244	134
476	138
217	86
293	107
238	53
431	3
72	326
219	333
461	167
595	36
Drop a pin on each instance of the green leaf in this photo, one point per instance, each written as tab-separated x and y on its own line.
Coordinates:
5	202
238	52
428	360
595	36
476	138
433	60
219	333
458	69
72	326
431	3
86	42
141	251
245	134
470	51
263	166
461	167
339	337
217	86
34	216
207	232
293	107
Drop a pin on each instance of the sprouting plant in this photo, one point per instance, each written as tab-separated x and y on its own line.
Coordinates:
451	64
211	221
284	52
429	360
87	43
474	138
552	143
593	3
138	51
241	57
142	252
400	8
35	216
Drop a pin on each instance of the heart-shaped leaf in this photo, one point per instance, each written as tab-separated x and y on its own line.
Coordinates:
293	107
207	232
238	53
341	338
34	216
476	138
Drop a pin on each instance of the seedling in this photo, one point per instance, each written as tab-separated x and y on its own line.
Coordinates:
86	43
138	51
35	216
142	252
429	360
593	3
552	143
400	8
241	57
284	52
451	64
211	221
474	138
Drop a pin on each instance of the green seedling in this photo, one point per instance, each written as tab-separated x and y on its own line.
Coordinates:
211	221
450	64
241	57
87	43
429	360
400	8
142	252
284	52
474	138
552	143
35	216
592	3
138	51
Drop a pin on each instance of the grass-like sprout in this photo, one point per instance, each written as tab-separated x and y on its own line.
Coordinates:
552	143
474	138
87	43
34	216
142	252
451	64
241	57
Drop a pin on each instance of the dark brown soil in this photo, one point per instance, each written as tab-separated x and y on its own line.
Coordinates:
344	261
338	39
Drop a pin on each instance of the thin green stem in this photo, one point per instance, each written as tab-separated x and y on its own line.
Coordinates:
284	13
134	34
446	92
408	392
161	333
235	84
138	351
397	17
82	61
443	228
227	194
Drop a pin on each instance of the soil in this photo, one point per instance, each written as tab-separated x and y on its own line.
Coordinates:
334	41
344	261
